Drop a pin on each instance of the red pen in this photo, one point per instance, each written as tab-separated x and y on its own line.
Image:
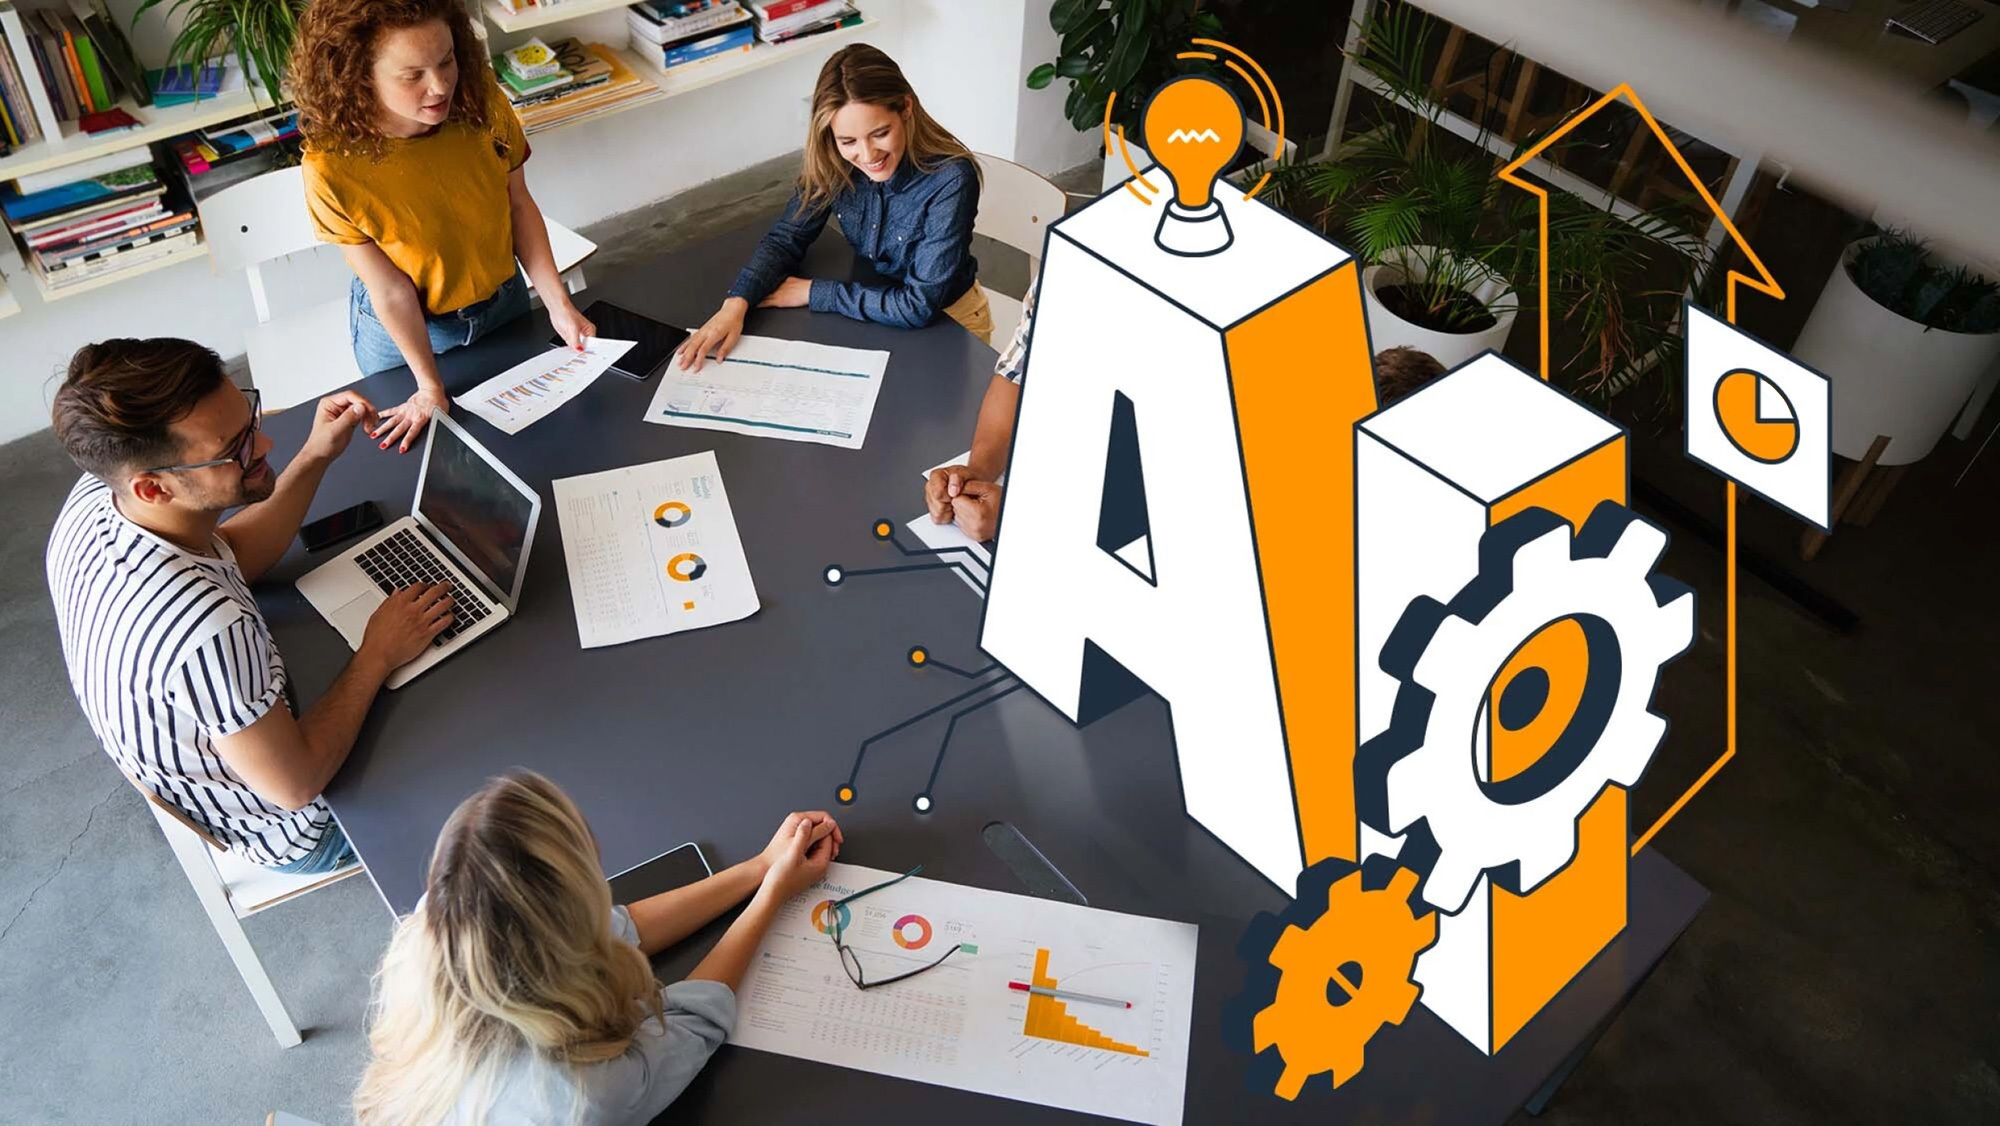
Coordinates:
1066	995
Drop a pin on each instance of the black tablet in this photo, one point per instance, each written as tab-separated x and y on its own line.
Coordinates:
655	341
672	869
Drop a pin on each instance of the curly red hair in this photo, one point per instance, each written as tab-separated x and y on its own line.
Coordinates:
333	60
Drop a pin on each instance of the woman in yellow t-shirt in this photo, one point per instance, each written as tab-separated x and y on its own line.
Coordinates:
413	167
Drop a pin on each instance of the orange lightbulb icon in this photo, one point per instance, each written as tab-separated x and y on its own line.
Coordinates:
1193	128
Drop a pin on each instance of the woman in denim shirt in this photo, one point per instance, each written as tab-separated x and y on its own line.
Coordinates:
908	211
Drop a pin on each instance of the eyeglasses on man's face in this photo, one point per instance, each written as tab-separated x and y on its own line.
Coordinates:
242	454
835	917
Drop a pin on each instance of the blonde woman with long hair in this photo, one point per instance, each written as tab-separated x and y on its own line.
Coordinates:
905	192
516	993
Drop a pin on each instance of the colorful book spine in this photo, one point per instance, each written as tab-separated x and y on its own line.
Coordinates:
682	54
779	9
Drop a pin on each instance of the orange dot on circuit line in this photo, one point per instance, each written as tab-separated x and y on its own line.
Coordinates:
881	529
918	657
846	794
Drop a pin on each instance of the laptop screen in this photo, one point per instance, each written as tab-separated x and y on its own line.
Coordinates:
472	503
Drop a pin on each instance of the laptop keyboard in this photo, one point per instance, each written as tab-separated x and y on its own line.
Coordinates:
404	560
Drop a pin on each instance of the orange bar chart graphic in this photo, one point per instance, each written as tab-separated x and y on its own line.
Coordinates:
1049	1019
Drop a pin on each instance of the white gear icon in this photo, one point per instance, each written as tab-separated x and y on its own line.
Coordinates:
1532	573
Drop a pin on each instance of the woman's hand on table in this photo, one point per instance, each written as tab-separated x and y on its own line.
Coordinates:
800	850
717	337
570	324
402	423
792	293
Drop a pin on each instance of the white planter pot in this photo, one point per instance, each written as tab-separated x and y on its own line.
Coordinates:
1890	375
1387	330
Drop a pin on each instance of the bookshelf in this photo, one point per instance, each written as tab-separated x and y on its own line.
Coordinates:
155	125
8	305
707	72
507	19
174	258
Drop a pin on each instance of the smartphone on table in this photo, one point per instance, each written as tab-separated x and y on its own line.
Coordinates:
343	525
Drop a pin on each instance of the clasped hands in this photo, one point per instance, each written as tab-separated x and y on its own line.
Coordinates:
955	494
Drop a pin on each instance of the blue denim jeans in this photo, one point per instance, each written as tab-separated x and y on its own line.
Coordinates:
375	351
330	853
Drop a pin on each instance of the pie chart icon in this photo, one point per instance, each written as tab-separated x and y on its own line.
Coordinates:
1756	416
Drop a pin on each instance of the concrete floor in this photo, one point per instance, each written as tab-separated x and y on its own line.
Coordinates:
1845	970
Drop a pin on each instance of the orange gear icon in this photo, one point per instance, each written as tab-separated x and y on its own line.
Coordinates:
1342	978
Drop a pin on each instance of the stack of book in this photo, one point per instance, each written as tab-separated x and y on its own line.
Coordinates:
102	217
781	21
82	62
203	150
669	34
590	82
177	86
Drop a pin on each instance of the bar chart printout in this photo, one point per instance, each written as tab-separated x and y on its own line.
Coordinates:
960	1024
535	387
1049	1018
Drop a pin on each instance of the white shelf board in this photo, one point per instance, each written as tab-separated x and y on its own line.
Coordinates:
694	76
708	72
175	258
506	19
155	125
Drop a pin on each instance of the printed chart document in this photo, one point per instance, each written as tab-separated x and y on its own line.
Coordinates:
532	388
770	388
960	1025
652	550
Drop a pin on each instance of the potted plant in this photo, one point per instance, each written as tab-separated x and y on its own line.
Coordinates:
260	32
1126	46
1905	338
1447	246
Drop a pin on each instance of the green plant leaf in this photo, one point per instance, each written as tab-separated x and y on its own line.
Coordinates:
1041	76
1067	15
1127	52
1073	66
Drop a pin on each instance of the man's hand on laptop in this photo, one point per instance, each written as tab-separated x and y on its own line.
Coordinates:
405	624
334	420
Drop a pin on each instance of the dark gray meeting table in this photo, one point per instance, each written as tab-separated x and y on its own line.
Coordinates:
713	735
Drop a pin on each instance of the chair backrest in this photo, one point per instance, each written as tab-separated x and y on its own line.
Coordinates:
1016	205
174	812
253	222
257	220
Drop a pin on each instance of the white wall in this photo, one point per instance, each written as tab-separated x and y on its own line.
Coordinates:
1044	140
968	60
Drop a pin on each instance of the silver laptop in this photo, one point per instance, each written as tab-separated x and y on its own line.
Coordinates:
471	526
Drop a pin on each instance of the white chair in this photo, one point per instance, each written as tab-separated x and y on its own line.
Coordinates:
232	889
302	355
1016	206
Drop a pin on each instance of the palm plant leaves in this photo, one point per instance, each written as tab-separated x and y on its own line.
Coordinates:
261	33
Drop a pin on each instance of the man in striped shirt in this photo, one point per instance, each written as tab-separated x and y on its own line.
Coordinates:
167	651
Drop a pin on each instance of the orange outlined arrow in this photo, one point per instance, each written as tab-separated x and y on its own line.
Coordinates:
1764	282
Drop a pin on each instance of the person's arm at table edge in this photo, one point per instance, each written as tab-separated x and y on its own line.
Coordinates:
993	434
780	251
399	307
288	761
671	916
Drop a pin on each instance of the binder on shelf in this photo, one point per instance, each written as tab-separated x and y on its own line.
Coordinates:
114	54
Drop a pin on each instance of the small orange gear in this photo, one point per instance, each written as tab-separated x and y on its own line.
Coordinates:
1362	949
